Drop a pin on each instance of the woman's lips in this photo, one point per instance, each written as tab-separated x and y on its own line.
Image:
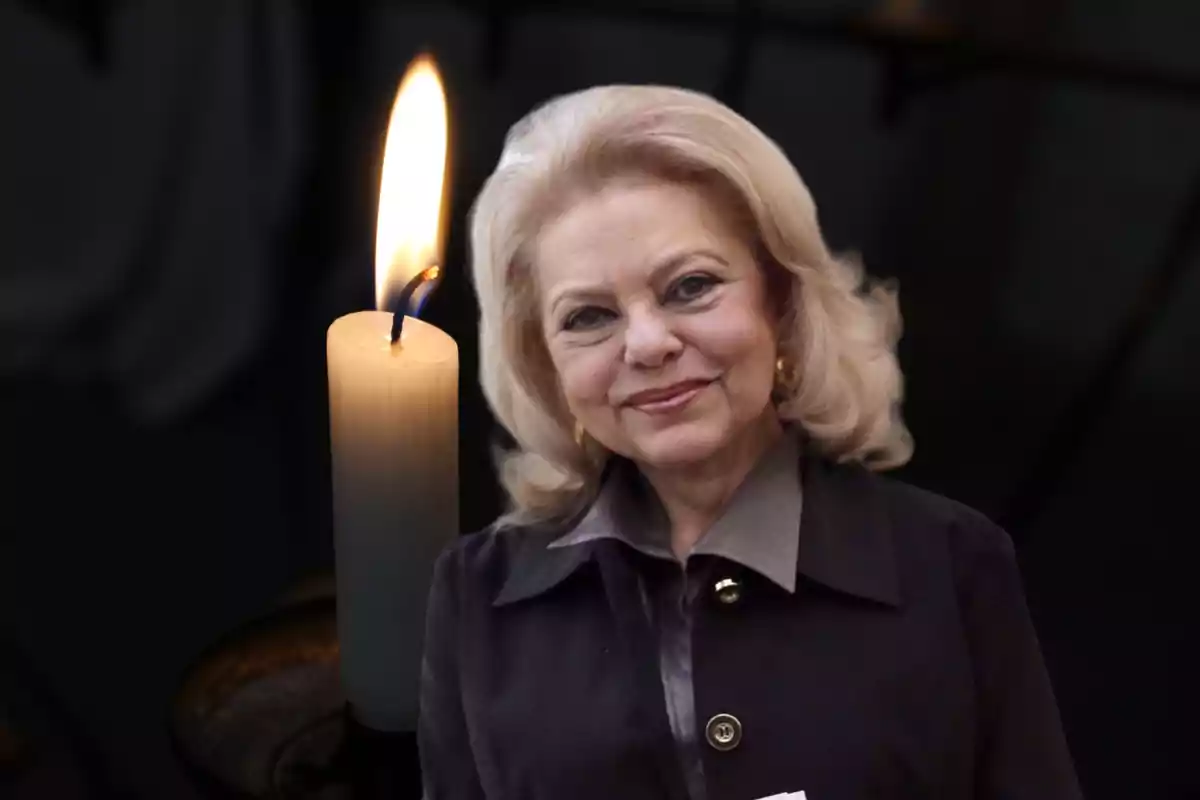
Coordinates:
666	400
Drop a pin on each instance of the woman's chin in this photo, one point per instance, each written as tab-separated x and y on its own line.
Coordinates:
682	445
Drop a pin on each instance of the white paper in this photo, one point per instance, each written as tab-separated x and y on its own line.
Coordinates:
785	796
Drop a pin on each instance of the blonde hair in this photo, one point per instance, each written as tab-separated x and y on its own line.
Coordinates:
842	383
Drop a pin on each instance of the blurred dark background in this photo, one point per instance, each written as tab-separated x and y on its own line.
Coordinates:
189	198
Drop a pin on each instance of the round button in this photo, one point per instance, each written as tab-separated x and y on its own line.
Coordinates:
728	591
724	732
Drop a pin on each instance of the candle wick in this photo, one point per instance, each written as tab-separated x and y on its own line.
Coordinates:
400	306
398	316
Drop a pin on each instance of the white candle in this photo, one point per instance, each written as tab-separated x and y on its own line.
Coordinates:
394	424
393	410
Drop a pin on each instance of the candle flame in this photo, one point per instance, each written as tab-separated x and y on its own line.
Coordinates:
410	226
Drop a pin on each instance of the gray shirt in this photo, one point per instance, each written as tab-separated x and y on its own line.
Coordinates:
759	529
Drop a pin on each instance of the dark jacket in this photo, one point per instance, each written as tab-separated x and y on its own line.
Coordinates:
903	666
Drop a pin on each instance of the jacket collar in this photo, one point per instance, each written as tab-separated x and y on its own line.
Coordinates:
845	541
846	538
533	567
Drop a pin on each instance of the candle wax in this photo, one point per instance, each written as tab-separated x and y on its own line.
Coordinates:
394	436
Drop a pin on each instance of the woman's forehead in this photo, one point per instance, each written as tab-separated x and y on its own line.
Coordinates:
632	227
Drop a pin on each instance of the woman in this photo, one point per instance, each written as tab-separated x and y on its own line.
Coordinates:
703	590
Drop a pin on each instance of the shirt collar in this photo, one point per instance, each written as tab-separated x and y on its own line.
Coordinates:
842	540
758	529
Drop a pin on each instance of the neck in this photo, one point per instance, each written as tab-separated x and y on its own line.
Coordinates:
694	495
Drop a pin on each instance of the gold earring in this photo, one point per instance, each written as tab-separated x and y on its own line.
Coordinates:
784	377
579	433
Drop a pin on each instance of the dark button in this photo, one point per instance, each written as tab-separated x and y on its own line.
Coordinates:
728	591
723	732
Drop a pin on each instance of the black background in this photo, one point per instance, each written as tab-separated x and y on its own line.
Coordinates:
188	201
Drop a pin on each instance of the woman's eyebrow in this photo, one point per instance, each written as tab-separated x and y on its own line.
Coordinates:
578	291
673	262
583	291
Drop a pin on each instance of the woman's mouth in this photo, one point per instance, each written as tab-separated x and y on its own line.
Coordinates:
669	398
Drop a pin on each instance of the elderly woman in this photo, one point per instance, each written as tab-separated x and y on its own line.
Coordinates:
703	590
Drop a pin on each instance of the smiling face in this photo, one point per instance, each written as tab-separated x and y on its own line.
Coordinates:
656	317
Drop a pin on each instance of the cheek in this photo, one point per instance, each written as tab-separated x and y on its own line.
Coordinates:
585	375
751	372
736	339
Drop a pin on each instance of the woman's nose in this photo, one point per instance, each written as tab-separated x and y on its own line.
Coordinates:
649	340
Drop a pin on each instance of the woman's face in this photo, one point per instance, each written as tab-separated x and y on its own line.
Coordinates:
655	314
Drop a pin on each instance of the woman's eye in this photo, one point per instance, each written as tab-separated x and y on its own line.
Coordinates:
586	318
691	287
